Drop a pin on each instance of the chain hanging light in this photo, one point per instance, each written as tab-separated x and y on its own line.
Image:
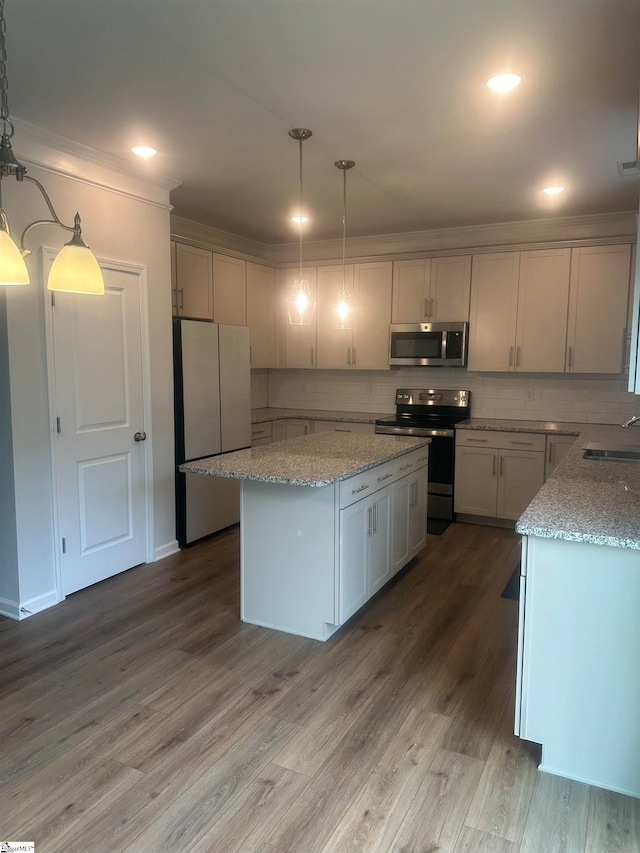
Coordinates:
343	306
300	304
75	269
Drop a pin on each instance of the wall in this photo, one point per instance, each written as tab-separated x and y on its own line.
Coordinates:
124	219
532	396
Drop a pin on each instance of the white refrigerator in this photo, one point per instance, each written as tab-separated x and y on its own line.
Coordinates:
212	397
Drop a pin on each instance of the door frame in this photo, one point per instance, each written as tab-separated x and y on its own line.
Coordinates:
46	258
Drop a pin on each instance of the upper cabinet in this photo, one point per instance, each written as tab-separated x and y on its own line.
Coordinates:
431	290
194	282
299	342
598	309
262	307
522	304
361	342
229	290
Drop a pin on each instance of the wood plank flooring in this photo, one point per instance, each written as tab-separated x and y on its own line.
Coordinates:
142	715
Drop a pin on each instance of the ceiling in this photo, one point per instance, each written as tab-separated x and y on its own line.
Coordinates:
399	86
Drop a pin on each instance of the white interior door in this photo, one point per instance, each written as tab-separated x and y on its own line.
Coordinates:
100	469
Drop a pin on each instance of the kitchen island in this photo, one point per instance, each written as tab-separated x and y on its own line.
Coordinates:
578	681
325	521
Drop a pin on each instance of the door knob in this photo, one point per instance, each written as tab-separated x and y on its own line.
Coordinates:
140	436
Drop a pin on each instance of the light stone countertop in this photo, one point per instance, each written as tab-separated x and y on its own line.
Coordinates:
318	459
260	416
504	425
590	501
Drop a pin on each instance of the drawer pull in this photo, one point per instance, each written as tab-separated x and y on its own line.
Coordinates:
404	467
423	459
480	440
361	489
386	477
522	442
259	432
337	429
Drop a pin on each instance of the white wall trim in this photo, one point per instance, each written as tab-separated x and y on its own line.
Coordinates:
166	550
24	609
207	237
56	154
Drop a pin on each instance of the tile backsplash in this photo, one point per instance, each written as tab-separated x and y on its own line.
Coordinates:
581	398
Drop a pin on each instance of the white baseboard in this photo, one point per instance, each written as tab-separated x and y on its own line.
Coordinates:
166	550
21	610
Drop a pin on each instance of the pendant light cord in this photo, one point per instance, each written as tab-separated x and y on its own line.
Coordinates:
344	226
4	84
300	141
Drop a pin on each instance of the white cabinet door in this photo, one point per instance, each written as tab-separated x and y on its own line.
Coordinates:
476	480
411	286
557	446
520	478
598	309
194	279
379	543
229	290
372	288
299	341
543	304
400	526
494	303
296	428
334	336
450	289
355	532
418	512
262	306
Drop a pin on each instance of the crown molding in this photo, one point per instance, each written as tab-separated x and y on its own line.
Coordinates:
609	226
57	154
205	236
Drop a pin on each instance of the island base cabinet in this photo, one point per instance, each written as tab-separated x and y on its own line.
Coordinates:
288	558
578	683
409	528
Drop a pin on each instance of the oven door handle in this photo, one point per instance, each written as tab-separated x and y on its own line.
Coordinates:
417	431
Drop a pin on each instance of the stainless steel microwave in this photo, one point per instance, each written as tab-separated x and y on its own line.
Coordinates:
429	344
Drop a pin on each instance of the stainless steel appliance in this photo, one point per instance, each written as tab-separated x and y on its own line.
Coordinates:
433	413
429	344
212	397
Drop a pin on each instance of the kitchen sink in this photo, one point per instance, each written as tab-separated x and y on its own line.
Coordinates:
612	453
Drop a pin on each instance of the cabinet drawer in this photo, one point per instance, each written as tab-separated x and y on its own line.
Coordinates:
500	440
343	426
259	431
258	442
360	486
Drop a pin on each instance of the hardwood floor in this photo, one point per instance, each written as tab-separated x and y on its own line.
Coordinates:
142	715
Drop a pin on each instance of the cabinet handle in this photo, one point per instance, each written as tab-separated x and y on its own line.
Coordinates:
361	489
570	357
423	459
386	477
257	432
311	356
250	354
369	527
413	501
353	356
337	429
510	356
479	440
551	445
518	354
426	307
349	356
522	442
432	312
181	292
493	470
375	518
501	464
404	467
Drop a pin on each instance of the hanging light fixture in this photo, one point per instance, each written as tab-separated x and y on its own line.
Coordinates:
75	269
300	304
343	305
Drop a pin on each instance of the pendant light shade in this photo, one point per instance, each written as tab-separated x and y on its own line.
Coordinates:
342	307
13	269
75	269
300	303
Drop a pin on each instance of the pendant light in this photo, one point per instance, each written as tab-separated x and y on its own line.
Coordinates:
343	306
300	304
75	269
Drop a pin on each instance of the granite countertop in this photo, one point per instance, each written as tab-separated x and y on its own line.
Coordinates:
590	501
259	416
318	459
545	427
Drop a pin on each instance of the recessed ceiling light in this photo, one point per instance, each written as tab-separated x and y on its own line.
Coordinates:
299	218
504	82
144	151
553	190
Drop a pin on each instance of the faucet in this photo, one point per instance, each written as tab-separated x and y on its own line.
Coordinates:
631	421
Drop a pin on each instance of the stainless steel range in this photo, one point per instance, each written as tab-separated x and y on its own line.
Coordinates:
433	413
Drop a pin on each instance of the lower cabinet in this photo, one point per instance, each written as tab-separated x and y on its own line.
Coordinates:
498	473
557	446
409	518
296	428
